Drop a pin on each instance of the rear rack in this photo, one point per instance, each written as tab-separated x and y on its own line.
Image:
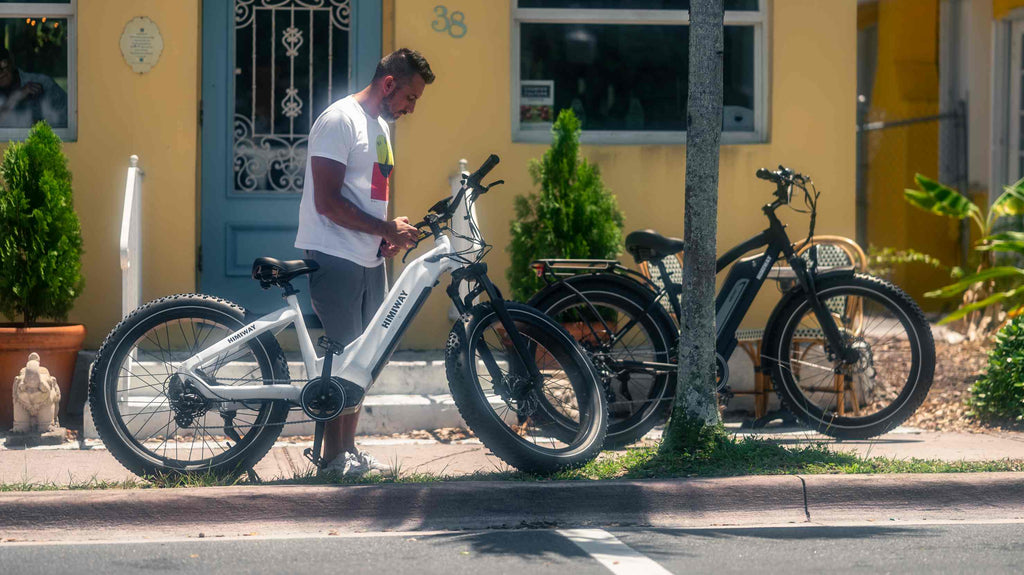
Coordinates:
552	270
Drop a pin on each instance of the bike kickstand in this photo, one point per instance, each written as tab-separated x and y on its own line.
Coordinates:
313	454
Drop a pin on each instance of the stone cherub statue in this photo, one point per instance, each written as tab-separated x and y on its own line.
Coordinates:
36	399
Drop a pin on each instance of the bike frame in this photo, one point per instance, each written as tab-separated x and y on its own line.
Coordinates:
741	286
363	359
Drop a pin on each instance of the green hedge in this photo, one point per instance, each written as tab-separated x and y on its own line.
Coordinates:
998	395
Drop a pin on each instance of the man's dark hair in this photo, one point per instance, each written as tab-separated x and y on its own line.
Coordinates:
402	64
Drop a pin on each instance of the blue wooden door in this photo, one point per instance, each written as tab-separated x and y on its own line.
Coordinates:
269	68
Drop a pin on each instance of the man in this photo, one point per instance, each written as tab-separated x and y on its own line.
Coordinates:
343	219
26	98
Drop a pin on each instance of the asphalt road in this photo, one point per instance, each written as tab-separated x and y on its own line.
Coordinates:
906	548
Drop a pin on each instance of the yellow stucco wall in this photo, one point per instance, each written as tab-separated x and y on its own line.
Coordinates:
465	113
907	86
153	115
811	79
1001	8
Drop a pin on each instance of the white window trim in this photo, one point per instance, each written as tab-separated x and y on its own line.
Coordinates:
1004	149
758	20
69	11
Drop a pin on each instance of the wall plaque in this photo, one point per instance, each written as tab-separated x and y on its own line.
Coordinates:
141	44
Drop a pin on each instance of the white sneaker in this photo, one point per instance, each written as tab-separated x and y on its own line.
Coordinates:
346	464
371	463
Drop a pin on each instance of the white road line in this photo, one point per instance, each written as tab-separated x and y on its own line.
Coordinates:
615	555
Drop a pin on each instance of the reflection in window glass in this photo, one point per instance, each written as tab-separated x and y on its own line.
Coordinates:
625	77
631	4
33	72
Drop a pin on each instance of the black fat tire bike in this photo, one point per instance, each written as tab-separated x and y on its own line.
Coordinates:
850	355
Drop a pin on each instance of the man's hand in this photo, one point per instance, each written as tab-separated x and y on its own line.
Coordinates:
32	89
399	233
388	249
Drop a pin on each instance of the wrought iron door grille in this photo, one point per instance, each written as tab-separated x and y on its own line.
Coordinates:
291	62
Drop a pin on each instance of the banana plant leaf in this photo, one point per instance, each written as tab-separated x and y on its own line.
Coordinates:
1010	202
1003	242
941	200
990	273
992	299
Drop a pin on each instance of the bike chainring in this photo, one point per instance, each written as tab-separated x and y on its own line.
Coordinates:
323	400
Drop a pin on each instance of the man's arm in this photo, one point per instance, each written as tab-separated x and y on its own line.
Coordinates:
328	176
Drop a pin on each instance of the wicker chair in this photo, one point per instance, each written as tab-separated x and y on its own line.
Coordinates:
828	251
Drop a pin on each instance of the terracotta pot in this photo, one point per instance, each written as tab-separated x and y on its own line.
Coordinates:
589	332
57	346
579	330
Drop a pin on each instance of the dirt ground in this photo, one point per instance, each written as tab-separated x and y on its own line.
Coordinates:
957	367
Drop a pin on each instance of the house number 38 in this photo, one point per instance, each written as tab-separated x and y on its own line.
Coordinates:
453	23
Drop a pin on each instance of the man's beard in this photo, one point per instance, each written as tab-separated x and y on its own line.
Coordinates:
385	109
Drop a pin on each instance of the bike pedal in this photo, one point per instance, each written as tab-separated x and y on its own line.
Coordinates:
318	462
329	345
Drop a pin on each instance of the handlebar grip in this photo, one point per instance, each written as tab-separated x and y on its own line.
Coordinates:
766	174
483	170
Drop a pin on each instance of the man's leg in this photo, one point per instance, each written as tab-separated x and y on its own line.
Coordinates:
374	290
336	291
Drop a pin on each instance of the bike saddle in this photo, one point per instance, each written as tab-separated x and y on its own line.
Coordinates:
272	271
649	245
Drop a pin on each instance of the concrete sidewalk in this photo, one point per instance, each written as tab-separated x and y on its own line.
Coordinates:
70	463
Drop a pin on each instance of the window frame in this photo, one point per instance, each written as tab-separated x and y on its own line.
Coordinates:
51	10
758	20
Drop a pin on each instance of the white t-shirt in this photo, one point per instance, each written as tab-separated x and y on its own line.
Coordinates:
345	133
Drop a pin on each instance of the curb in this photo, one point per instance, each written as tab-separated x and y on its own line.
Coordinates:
752	500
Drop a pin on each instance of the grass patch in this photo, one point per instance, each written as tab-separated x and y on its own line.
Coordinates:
724	456
755	456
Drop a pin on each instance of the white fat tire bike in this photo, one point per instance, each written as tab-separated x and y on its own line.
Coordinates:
190	384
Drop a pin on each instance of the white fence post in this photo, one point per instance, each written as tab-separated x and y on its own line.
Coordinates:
461	226
131	239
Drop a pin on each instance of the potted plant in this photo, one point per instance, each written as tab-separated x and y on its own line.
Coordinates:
40	263
573	215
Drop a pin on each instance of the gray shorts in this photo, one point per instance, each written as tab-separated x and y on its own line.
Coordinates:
345	295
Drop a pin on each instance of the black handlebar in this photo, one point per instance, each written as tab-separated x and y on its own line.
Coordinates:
443	210
473	180
766	174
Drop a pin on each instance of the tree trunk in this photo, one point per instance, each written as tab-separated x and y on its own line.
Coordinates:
696	405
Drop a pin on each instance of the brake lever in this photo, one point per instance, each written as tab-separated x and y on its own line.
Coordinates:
424	234
477	192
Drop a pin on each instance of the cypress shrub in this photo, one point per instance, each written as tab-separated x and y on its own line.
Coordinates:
40	238
573	215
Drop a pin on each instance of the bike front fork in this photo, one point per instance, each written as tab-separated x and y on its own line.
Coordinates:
523	355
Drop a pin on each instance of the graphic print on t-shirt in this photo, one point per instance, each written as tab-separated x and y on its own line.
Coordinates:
382	169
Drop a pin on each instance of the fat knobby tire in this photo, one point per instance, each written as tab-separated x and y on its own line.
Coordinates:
885	420
478	413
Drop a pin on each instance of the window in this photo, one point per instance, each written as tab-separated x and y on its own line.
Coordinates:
37	67
622	67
